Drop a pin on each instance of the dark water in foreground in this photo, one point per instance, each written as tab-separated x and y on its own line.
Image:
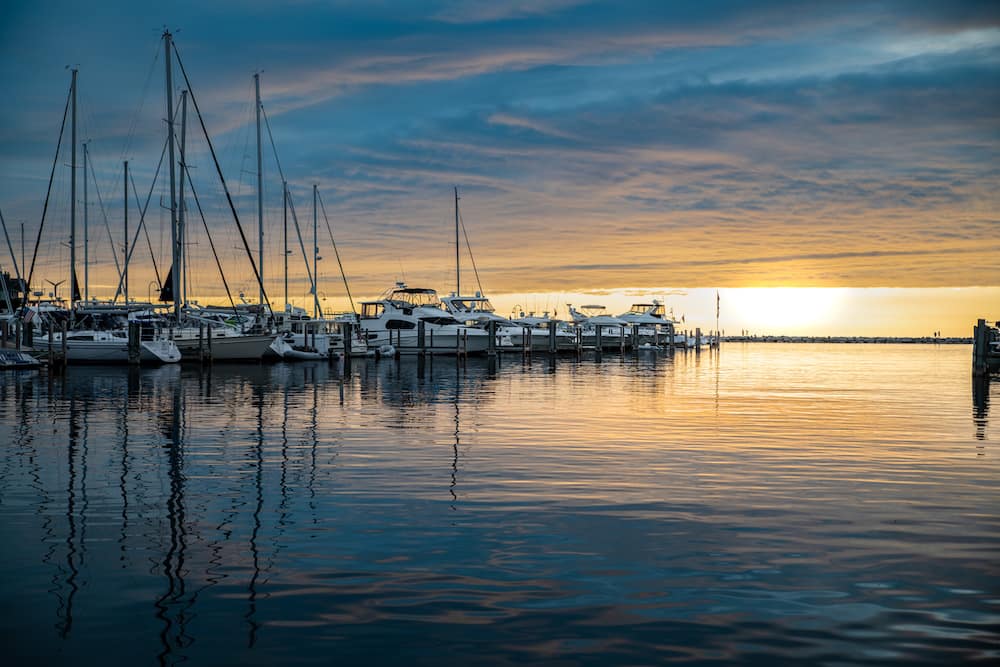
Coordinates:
766	504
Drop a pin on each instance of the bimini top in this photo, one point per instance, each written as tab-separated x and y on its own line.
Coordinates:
412	296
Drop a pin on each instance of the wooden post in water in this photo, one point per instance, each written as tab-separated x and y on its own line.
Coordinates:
579	340
525	341
491	344
553	340
133	342
422	337
635	337
980	345
65	345
17	335
201	342
697	339
51	334
598	335
209	346
621	339
28	335
348	330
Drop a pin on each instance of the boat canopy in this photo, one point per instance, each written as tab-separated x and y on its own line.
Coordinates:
415	297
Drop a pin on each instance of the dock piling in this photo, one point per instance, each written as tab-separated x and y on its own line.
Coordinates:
133	342
491	344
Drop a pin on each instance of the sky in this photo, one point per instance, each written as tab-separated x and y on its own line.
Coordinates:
843	154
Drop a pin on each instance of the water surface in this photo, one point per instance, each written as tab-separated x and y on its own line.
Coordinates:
821	504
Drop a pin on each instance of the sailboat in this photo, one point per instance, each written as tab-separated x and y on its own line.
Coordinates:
86	338
244	339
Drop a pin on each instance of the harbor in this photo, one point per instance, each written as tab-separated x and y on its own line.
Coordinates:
493	333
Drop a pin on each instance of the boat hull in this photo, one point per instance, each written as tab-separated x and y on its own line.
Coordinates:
226	348
406	341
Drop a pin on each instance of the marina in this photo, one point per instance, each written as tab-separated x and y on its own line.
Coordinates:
499	333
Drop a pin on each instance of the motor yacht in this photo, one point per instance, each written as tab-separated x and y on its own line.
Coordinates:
394	320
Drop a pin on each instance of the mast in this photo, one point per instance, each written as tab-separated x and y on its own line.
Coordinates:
284	203
315	255
458	270
260	195
181	230
125	249
86	232
72	209
174	254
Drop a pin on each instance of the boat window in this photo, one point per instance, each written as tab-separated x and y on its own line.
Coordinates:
399	324
371	311
439	320
80	337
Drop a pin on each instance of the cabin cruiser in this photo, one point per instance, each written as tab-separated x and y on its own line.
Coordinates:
565	332
614	331
654	325
394	320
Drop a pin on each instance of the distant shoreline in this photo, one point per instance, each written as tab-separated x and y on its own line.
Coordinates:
871	340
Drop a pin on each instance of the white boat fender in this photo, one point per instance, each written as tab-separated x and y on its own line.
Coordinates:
386	351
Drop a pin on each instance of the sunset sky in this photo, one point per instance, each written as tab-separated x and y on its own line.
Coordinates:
605	152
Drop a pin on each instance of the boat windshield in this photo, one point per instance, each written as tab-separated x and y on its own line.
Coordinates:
416	297
654	309
472	305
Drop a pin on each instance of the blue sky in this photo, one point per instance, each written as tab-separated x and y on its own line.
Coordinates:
596	145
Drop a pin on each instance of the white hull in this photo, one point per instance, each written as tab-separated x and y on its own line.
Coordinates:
442	342
113	351
226	348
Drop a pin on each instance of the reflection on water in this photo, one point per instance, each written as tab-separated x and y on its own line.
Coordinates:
754	504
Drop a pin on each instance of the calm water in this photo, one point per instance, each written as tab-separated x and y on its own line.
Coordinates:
764	504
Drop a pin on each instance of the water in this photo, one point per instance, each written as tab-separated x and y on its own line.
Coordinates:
765	504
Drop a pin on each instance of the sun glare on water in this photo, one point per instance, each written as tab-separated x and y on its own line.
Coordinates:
787	310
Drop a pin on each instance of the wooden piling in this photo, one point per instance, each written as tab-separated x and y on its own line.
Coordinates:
599	344
65	345
422	337
201	342
133	342
209	345
553	340
17	335
980	345
491	344
697	339
3	333
348	331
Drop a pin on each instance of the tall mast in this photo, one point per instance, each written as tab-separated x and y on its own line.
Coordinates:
125	249
72	208
315	256
260	195
284	236
86	232
181	230
174	254
458	270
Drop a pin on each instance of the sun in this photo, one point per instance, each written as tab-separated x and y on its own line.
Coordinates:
786	310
